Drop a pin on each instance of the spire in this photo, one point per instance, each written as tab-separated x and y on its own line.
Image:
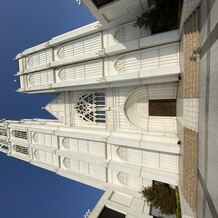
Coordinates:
57	107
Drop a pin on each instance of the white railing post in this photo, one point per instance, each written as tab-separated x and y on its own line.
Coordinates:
86	215
78	2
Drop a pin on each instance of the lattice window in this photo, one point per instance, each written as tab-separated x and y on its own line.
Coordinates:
91	107
3	132
21	149
19	134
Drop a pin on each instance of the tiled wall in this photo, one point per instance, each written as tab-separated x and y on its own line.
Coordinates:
187	112
190	113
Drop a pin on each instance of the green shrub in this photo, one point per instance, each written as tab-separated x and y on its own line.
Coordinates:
162	17
161	196
178	208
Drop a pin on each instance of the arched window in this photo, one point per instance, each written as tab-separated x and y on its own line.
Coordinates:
91	107
19	134
21	149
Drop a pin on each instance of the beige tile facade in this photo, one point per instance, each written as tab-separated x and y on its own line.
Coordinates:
188	92
190	166
191	42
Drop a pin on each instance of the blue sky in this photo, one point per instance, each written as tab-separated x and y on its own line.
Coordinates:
27	191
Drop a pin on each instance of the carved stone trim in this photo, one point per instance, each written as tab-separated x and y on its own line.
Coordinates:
91	107
31	79
35	137
122	152
66	143
120	64
60	52
119	35
123	178
62	74
136	108
30	61
66	162
36	154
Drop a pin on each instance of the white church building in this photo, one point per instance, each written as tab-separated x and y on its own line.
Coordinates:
116	110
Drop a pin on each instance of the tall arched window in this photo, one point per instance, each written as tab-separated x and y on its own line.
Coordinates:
91	107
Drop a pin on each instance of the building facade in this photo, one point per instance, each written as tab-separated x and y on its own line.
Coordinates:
118	112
